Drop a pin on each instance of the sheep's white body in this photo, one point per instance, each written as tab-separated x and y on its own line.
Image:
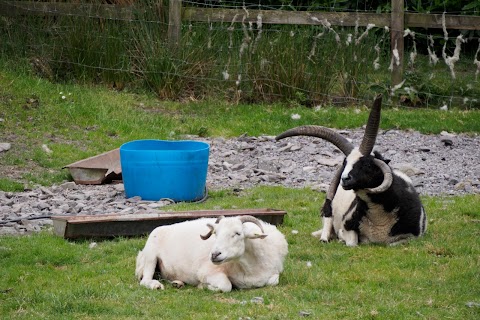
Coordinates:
244	258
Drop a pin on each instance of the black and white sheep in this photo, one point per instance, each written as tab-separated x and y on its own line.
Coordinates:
375	203
218	254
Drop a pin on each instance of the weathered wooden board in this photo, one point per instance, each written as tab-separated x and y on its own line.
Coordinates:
286	17
90	10
128	225
361	19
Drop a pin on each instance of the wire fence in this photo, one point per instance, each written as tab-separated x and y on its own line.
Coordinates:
244	61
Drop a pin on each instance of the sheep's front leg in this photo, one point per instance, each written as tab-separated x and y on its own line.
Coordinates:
217	282
351	227
326	234
146	264
327	209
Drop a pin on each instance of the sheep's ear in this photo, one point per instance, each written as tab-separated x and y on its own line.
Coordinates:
255	235
253	230
258	236
379	156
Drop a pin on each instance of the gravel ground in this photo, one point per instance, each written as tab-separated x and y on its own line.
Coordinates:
444	164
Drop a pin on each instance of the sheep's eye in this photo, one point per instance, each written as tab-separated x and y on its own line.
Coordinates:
237	234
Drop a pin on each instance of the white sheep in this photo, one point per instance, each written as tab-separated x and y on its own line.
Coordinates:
218	254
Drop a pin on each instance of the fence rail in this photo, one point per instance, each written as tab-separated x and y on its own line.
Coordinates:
335	18
397	20
126	12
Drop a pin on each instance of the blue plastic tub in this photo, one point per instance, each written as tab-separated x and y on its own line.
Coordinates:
156	169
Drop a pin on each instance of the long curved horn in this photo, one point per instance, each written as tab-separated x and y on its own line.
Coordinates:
387	177
253	220
335	182
332	189
320	132
371	130
218	219
209	234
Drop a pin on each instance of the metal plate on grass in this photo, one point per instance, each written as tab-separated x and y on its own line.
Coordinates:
97	169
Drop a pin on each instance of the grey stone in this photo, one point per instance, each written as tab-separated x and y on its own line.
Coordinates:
226	165
407	168
42	205
238	166
67	186
295	148
287	148
447	142
267	166
8	231
447	134
5	146
257	300
452	182
309	169
329	162
271	177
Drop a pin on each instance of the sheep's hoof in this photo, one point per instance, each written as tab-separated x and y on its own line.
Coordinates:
178	284
317	234
152	284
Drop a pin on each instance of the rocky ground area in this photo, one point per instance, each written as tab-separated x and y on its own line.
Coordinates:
444	164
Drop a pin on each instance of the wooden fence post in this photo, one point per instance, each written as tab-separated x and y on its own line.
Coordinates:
397	27
174	22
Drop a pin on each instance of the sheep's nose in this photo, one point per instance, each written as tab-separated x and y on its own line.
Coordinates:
215	255
347	182
346	179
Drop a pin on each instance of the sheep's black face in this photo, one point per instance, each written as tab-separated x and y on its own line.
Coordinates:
362	174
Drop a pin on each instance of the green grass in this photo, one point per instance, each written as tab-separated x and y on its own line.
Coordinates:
435	277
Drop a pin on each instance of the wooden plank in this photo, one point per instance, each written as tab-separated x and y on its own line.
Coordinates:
127	225
435	21
335	18
285	17
104	11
